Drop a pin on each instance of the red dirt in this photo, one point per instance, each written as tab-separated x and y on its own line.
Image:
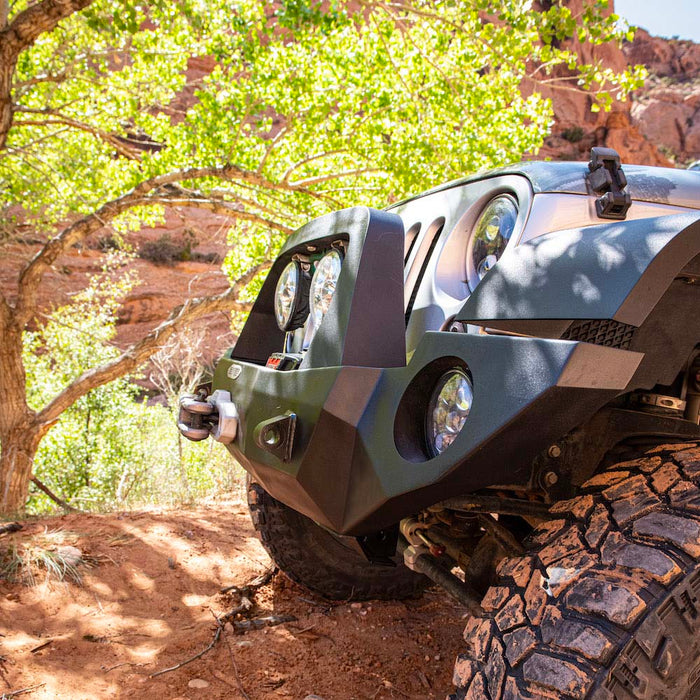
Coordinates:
147	604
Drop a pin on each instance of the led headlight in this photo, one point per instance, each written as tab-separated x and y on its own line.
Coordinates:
323	285
448	409
492	232
292	297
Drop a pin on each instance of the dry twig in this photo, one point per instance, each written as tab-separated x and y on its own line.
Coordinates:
239	684
21	691
258	623
212	644
56	499
244	607
10	527
256	583
123	663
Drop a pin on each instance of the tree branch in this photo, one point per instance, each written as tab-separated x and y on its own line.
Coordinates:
150	191
337	176
310	159
200	201
149	345
57	119
56	499
19	35
37	19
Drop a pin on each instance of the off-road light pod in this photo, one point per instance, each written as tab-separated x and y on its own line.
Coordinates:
448	410
292	296
323	285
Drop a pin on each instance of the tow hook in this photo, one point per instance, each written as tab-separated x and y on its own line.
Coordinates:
202	416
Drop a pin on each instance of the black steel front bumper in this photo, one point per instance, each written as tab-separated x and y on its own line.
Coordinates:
347	448
357	461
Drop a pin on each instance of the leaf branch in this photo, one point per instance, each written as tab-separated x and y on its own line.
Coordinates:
57	119
140	352
151	191
26	27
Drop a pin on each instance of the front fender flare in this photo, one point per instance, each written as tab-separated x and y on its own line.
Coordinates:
615	271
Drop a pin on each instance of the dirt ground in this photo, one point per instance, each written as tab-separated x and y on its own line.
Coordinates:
147	599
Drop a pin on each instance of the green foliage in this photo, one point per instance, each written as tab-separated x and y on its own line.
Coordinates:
110	449
398	96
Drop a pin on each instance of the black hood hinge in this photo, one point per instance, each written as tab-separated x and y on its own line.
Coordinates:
606	178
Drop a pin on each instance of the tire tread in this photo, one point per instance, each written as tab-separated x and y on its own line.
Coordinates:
296	545
611	590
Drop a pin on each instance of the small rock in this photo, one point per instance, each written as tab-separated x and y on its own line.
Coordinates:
228	628
245	644
198	683
313	697
356	606
72	556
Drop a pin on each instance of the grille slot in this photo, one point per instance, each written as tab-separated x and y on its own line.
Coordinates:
612	334
420	264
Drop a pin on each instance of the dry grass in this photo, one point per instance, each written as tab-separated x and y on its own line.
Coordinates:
43	556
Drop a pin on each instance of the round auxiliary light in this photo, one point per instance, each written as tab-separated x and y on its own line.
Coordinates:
323	285
492	233
448	409
292	297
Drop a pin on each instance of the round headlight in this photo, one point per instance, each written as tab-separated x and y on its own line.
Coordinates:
292	297
492	233
448	409
323	285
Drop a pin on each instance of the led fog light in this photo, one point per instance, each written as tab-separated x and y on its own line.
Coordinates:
448	409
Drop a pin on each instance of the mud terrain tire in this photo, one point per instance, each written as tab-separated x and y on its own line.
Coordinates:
322	562
605	603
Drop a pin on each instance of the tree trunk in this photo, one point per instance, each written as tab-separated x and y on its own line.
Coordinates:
20	433
16	461
7	69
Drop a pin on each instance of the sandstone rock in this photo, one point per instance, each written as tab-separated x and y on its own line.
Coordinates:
662	121
692	99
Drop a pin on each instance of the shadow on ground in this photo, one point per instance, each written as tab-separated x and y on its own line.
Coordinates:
148	603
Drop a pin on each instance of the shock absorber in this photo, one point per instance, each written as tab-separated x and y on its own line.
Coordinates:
692	398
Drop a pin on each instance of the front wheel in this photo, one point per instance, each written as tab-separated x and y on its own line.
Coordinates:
323	562
606	603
